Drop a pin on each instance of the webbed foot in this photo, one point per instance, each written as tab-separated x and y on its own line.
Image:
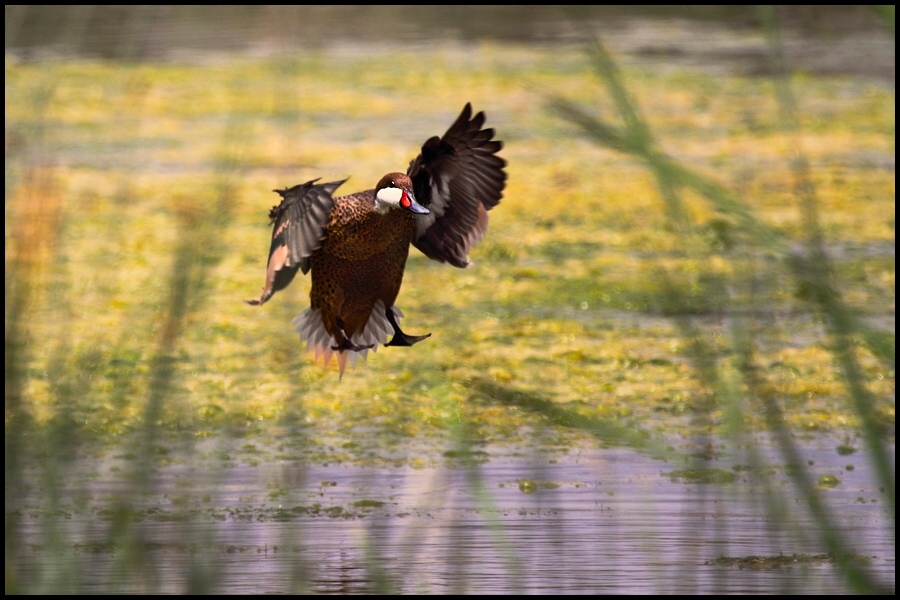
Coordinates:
346	344
400	338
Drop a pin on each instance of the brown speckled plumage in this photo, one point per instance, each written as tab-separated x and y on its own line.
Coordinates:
361	261
356	246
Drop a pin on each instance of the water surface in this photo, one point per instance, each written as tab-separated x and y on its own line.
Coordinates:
595	521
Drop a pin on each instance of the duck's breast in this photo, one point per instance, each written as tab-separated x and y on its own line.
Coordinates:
361	261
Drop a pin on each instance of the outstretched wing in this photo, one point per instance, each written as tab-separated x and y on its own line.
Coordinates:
459	177
300	222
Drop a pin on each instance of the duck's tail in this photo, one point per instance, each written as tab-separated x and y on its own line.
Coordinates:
377	330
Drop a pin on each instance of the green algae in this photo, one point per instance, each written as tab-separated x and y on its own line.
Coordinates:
704	475
564	331
828	481
785	561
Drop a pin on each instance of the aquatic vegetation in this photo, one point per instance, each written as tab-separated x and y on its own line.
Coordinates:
566	296
828	481
782	561
702	476
677	276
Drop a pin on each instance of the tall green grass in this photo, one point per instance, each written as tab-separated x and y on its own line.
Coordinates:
737	380
128	350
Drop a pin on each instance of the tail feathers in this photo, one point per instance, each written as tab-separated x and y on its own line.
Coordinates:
376	332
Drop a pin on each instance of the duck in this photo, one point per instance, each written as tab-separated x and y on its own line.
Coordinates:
355	247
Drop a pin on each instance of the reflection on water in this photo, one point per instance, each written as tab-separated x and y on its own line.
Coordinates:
596	521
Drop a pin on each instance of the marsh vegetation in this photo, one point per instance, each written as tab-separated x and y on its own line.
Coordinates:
686	296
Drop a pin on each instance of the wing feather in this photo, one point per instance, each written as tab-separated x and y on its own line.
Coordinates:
299	228
459	177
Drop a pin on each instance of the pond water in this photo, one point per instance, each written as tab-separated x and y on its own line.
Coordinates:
594	521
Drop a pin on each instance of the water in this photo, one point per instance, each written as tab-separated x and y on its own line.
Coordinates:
595	521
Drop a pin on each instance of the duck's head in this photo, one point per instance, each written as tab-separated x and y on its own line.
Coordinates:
395	190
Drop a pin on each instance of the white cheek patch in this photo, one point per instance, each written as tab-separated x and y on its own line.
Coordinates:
388	197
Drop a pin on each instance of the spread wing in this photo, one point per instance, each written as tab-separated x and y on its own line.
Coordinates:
459	177
300	222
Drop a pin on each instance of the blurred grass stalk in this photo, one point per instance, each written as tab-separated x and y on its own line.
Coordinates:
33	211
33	216
811	269
35	278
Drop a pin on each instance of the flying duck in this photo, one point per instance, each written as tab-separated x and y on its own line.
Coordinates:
356	246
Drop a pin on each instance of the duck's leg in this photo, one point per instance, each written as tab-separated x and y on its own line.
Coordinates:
346	344
400	338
